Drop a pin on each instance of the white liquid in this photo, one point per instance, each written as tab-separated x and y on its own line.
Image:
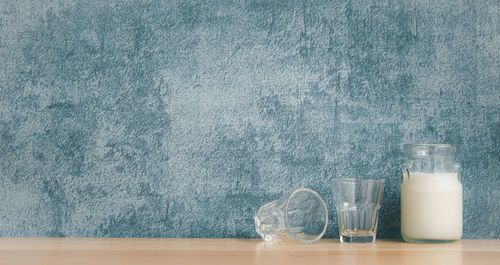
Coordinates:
431	206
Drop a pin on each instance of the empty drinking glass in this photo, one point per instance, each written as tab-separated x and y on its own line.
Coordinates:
299	216
357	202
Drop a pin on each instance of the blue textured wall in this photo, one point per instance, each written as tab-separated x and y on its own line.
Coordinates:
179	118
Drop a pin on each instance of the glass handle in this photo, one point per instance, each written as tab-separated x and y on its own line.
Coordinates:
406	172
458	168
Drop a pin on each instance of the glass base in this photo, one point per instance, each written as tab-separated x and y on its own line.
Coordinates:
427	241
357	239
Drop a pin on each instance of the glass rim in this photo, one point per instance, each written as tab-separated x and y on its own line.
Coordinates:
432	144
322	204
429	149
358	180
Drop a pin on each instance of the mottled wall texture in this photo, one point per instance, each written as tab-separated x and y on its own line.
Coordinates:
180	118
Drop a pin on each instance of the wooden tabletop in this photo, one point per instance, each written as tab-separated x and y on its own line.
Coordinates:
73	251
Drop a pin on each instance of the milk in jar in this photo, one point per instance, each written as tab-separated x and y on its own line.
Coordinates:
431	194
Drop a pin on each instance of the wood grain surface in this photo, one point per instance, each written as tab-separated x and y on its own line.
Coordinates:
75	251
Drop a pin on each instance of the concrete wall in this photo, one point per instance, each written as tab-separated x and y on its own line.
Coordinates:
180	118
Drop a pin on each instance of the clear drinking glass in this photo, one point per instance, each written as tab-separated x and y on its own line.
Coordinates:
301	216
357	202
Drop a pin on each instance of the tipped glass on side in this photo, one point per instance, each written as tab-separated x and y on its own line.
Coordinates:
299	216
357	202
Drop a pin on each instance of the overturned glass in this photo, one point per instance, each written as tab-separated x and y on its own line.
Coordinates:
300	216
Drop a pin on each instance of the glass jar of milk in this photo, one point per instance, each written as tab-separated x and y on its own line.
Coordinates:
431	194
